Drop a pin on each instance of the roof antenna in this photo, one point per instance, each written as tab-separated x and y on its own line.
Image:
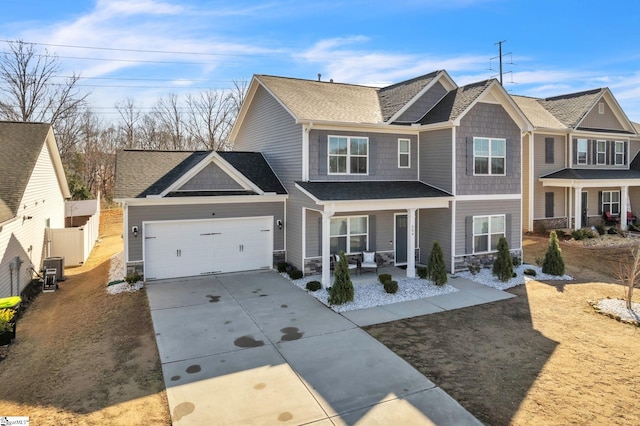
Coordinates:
499	57
319	76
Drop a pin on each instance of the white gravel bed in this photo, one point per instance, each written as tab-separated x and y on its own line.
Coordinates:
486	277
369	295
115	273
617	309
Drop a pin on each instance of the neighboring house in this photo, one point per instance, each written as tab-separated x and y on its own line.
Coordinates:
195	213
390	169
578	161
33	189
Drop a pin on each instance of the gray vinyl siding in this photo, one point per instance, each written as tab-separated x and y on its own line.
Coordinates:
466	209
435	225
436	159
488	120
541	168
526	174
383	156
295	203
595	120
212	177
423	104
138	214
270	129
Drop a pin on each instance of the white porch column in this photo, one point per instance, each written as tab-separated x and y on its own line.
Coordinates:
326	252
577	211
624	206
411	243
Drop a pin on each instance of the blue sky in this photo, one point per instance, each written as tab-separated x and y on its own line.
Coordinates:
152	48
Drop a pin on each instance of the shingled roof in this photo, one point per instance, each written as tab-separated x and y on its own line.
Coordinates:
20	146
163	168
393	98
456	102
571	108
370	190
538	115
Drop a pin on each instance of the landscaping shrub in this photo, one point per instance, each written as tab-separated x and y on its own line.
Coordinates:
295	273
342	290
474	268
314	285
612	231
133	278
282	267
540	228
561	234
578	234
600	228
503	265
436	269
383	278
553	263
391	286
530	272
422	271
516	260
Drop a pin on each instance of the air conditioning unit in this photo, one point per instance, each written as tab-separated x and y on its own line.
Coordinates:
56	263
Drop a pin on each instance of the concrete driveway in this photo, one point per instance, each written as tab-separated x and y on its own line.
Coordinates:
252	348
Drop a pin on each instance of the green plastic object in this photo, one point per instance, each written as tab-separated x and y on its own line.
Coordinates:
10	302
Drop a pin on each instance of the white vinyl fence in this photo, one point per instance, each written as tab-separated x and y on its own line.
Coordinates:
74	244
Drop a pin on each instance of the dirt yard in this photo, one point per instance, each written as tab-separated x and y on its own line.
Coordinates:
542	358
82	356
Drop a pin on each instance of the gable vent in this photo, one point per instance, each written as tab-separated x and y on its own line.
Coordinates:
601	108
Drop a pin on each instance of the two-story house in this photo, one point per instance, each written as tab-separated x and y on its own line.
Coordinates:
578	161
360	168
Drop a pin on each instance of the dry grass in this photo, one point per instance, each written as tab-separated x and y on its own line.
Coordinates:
82	356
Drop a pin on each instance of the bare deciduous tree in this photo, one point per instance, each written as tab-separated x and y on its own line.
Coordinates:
209	120
170	120
628	273
130	115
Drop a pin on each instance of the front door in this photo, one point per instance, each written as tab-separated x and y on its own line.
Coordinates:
400	235
585	219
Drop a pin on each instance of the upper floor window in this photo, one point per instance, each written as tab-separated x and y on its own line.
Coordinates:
404	153
489	156
348	155
348	234
619	153
487	231
601	152
581	157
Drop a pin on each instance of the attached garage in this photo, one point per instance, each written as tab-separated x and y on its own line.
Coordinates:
175	249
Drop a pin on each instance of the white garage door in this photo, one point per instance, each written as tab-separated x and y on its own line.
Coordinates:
188	248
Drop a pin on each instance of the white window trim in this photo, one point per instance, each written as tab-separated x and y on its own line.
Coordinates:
610	202
489	157
489	232
348	235
586	151
408	153
598	152
348	155
615	153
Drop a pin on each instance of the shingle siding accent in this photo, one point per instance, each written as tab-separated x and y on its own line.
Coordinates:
138	214
488	120
422	105
383	156
436	159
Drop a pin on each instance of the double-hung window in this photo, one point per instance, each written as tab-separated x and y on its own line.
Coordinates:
611	202
487	231
404	153
348	234
348	155
601	152
619	153
489	156
581	151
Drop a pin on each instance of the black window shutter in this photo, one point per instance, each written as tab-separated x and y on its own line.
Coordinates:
624	156
372	233
548	204
508	163
599	202
611	152
469	156
548	150
593	151
575	151
468	221
507	228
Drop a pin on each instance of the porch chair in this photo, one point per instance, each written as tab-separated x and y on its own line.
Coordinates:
610	219
350	264
369	261
631	218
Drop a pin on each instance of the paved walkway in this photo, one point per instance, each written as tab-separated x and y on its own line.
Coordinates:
251	348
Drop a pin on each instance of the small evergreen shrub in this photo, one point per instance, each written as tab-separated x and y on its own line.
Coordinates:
133	278
530	272
342	290
422	272
600	228
516	260
474	268
436	269
540	228
391	286
553	263
577	234
612	231
282	267
295	273
314	285
503	265
383	278
561	234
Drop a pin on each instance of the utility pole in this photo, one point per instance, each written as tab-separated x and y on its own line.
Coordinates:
499	57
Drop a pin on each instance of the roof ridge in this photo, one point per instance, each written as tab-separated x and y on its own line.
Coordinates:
317	81
431	74
575	94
